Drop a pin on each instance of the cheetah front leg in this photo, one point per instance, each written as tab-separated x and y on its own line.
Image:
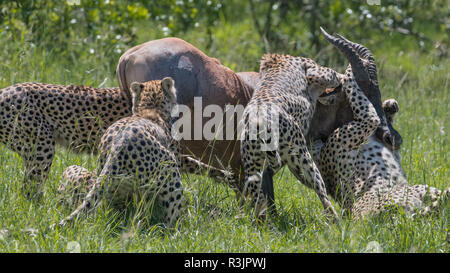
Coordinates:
75	183
302	165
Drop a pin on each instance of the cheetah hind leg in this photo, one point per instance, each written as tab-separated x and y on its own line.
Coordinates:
171	196
253	181
259	167
91	200
75	183
37	161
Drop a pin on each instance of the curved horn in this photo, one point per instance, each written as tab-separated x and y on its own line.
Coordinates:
368	82
359	71
366	54
373	90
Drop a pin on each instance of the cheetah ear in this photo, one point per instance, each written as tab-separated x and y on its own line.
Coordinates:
168	86
136	89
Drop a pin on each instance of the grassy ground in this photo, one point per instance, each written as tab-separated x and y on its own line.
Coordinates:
213	222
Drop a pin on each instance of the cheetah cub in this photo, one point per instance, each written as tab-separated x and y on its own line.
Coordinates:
137	156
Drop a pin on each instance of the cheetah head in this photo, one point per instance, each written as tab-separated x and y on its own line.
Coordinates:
333	96
154	100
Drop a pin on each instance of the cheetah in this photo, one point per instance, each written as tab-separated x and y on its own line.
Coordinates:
278	117
138	156
361	173
365	176
36	116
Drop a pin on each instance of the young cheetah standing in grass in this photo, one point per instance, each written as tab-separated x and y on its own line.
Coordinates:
138	156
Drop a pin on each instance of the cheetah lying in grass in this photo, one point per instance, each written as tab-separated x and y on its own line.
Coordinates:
361	173
364	176
137	156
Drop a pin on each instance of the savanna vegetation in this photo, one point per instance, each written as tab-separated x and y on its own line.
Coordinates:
80	42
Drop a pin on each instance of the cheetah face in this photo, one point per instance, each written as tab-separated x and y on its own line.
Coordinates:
321	79
153	98
334	95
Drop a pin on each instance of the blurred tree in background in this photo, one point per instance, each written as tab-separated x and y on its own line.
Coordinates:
237	32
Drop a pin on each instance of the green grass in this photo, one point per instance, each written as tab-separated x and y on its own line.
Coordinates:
213	221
